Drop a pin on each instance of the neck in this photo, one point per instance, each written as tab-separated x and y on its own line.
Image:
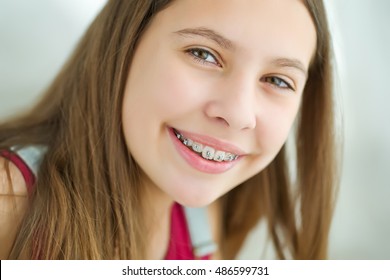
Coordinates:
157	207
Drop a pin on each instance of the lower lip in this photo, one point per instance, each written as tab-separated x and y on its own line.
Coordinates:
197	162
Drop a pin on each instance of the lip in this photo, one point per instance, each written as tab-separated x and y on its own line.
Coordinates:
212	142
199	163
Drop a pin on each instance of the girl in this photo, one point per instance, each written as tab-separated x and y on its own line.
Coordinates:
164	136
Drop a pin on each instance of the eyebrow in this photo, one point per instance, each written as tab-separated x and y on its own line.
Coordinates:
227	44
289	63
208	34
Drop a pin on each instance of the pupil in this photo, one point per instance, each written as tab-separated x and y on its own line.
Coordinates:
202	54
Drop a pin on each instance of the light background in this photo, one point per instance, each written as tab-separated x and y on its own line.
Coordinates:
37	36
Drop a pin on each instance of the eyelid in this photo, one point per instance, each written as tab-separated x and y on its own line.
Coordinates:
212	53
290	85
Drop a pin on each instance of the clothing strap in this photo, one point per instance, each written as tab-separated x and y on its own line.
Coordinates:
200	233
197	219
26	172
32	156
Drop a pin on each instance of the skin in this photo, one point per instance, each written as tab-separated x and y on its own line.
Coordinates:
13	205
233	87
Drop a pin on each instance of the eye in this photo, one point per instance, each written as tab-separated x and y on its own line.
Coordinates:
203	56
278	82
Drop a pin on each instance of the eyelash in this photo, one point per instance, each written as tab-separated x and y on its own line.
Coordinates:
274	79
192	52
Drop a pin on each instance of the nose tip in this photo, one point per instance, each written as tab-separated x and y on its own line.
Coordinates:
235	115
233	100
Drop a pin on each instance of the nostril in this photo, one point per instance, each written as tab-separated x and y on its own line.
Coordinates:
222	120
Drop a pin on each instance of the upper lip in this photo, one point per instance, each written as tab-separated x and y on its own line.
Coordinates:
212	142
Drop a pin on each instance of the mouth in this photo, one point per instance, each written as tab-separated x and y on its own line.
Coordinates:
204	153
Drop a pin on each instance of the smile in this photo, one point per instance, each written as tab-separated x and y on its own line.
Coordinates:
206	152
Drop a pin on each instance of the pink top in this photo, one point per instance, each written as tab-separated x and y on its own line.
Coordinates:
180	247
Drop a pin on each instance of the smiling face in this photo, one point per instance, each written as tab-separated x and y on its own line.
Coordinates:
212	93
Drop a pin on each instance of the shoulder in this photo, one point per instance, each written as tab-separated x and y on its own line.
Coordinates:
11	183
13	204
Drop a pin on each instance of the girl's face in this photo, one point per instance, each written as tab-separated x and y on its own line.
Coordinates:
212	93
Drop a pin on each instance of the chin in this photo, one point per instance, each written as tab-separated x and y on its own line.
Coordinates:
195	196
194	203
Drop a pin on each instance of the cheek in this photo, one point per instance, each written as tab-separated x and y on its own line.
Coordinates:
173	91
274	128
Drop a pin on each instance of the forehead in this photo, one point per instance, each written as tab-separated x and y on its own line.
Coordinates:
280	25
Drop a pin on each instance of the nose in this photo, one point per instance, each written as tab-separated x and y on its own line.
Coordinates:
233	104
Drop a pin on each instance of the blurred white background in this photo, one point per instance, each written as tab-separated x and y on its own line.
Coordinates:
36	37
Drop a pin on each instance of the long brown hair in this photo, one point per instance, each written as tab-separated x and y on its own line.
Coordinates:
86	201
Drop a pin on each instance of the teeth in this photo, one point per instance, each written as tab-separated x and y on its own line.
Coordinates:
229	157
206	152
188	142
219	156
197	147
